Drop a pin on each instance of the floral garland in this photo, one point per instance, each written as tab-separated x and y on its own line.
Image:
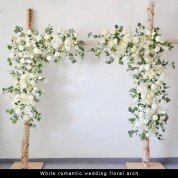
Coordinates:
29	51
142	52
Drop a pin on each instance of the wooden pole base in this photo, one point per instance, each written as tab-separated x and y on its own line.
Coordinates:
139	165
31	165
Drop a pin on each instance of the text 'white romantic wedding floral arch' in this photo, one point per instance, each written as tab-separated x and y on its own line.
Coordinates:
141	51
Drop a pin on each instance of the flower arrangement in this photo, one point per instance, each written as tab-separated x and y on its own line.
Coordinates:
142	51
29	52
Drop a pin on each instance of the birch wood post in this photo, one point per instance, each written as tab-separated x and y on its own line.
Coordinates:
26	126
146	142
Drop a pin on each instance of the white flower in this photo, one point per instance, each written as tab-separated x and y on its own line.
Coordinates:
38	38
154	106
29	61
158	82
27	39
158	38
148	32
18	40
47	37
28	44
157	49
68	48
110	44
155	117
147	135
136	39
143	96
141	67
29	32
11	55
115	41
33	83
140	115
21	48
36	51
23	85
49	58
22	60
56	54
29	67
59	30
135	99
68	41
153	87
147	67
26	118
39	78
113	31
75	35
145	121
105	32
31	98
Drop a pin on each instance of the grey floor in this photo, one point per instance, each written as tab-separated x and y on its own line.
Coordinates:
86	166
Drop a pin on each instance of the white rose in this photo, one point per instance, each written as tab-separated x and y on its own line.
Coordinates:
141	67
158	39
147	135
38	38
135	99
145	121
155	117
115	41
59	30
36	50
31	75
136	39
110	44
68	48
68	42
18	40
28	44
148	32
47	37
26	118
31	98
27	39
153	87
21	48
154	106
11	55
57	54
22	60
29	32
158	82
140	115
29	61
113	31
75	35
39	78
163	112
23	85
49	58
105	32
147	67
33	83
157	49
18	111
134	49
29	67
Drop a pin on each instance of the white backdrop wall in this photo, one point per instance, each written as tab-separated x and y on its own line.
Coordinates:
85	105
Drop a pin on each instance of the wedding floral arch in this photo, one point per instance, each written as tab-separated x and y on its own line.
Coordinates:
141	51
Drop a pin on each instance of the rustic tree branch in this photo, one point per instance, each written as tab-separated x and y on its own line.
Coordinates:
26	126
